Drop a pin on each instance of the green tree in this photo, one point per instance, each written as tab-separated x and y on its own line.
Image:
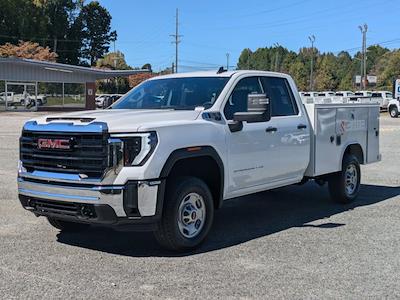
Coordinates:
344	71
147	66
94	22
325	78
299	73
113	61
374	53
57	16
20	20
244	62
387	69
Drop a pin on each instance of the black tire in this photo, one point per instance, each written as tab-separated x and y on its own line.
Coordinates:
394	112
66	226
168	233
337	182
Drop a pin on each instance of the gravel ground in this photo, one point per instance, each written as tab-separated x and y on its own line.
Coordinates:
287	243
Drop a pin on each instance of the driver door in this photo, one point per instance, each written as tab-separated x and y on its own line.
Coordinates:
250	151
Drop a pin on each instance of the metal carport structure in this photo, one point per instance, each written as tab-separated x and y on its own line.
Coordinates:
28	73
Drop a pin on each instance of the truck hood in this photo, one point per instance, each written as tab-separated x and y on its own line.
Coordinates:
124	120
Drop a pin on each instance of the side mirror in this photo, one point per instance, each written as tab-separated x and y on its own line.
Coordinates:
258	109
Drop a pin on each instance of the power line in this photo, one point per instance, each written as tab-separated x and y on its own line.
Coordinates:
200	63
268	11
311	16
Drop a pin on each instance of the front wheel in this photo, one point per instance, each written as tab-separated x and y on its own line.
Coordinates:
394	112
345	185
188	214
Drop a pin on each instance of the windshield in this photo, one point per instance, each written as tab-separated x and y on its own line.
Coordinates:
173	93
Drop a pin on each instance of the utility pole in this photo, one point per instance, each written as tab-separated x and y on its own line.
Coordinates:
364	29
276	45
55	45
227	61
173	68
312	40
177	40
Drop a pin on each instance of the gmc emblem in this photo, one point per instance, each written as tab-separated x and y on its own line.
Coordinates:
45	144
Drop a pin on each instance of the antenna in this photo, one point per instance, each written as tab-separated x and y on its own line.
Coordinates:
221	70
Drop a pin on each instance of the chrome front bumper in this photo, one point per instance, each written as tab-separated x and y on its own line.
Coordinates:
145	195
111	195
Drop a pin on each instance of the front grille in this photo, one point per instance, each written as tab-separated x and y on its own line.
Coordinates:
88	153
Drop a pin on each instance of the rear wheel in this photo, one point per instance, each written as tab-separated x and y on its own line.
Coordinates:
67	226
394	112
345	185
187	215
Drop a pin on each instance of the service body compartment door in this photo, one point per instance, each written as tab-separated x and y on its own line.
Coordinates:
373	154
351	128
325	152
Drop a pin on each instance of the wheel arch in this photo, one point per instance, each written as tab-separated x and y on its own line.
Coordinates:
196	161
356	150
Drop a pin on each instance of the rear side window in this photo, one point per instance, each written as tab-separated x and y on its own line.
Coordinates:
280	95
376	95
237	102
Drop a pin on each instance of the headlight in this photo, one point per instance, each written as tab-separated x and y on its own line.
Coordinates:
137	147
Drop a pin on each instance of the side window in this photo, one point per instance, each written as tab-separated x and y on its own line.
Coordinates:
237	101
280	95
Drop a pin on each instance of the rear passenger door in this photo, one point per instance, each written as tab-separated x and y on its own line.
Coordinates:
292	135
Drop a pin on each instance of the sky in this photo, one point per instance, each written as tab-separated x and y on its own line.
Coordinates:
211	29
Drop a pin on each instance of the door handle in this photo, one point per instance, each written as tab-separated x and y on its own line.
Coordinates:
301	126
271	129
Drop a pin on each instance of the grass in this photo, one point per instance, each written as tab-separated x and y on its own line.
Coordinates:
58	101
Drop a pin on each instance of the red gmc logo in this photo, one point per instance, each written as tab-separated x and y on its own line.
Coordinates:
53	144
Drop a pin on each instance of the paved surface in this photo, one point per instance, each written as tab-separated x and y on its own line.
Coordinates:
288	243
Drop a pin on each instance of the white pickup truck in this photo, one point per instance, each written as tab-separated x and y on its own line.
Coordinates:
169	153
394	104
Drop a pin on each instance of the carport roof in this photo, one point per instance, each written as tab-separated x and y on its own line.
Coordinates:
21	69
